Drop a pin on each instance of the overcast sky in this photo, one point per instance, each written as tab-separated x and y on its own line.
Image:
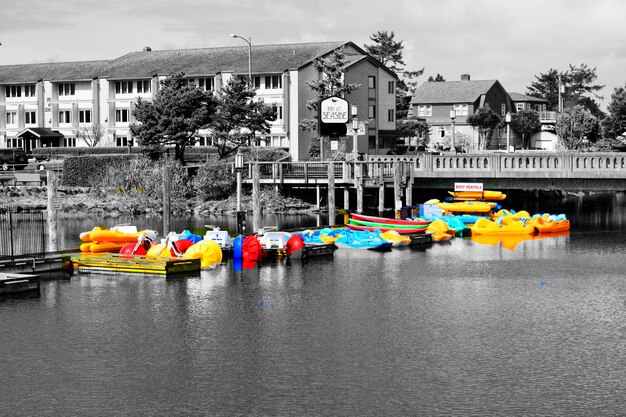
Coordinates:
489	39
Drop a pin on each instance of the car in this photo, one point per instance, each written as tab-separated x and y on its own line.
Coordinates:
12	158
52	164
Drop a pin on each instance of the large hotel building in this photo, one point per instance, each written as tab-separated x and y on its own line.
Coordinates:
45	104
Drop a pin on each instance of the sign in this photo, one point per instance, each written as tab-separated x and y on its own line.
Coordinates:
468	186
334	110
334	145
549	128
360	131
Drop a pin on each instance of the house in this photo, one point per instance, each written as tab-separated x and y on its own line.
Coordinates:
434	101
546	138
55	100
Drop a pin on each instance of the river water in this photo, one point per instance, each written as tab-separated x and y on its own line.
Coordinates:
526	328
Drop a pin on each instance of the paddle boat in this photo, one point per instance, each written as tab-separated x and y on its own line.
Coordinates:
395	238
502	226
549	223
362	240
440	231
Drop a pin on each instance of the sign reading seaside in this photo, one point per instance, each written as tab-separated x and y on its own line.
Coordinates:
468	186
334	110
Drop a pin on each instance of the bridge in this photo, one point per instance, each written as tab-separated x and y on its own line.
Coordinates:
572	171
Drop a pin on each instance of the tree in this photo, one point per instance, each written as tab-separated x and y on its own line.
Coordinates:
239	118
615	123
525	123
578	88
92	135
173	117
485	121
437	78
575	126
329	84
389	52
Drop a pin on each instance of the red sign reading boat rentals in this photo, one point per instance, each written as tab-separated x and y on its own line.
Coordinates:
468	186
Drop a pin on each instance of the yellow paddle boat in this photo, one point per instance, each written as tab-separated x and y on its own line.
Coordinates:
502	226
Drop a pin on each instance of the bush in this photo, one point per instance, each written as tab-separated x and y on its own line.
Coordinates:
214	181
91	171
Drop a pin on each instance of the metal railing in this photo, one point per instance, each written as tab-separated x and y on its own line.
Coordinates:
22	232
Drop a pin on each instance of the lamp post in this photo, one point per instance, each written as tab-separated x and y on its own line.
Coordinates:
508	132
249	42
239	168
452	117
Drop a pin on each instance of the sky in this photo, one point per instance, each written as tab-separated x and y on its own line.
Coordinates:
511	41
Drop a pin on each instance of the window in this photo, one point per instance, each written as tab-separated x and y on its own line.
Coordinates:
84	116
14	91
279	112
30	117
371	111
273	82
67	89
425	110
121	116
69	142
123	87
121	141
144	86
371	81
64	116
441	132
519	106
460	109
257	82
392	87
503	109
390	115
207	84
11	117
29	90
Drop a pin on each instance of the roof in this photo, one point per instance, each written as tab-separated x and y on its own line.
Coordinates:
209	61
53	71
524	97
451	91
41	132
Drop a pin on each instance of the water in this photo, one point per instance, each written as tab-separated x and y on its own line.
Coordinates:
455	329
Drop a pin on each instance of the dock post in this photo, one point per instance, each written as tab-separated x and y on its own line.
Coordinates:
397	190
408	192
359	187
52	183
381	189
346	198
332	214
256	198
166	199
318	198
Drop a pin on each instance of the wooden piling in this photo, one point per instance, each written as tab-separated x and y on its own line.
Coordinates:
358	177
397	190
346	198
332	214
256	198
166	199
52	183
381	189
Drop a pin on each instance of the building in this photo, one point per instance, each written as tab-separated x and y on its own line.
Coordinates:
546	138
49	104
434	101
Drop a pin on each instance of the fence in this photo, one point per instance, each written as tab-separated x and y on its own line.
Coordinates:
22	232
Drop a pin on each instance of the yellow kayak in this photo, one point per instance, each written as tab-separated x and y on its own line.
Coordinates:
478	195
468	207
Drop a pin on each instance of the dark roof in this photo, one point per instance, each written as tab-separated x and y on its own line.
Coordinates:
209	61
524	97
41	132
451	91
53	71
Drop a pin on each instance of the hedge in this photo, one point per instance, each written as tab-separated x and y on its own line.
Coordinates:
92	170
106	150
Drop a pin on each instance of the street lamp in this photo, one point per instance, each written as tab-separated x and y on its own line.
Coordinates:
508	132
249	42
239	168
452	117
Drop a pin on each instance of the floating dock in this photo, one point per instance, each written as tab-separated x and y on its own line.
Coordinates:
111	263
19	283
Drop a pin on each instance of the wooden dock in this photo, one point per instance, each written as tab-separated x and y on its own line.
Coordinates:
19	283
111	263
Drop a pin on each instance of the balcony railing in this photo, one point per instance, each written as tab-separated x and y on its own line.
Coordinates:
547	116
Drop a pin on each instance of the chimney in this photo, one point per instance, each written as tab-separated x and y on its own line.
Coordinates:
465	77
147	49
